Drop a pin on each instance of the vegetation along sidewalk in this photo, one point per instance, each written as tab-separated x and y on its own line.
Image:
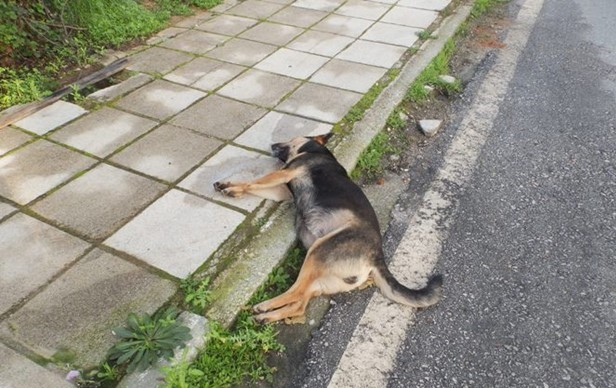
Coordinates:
109	224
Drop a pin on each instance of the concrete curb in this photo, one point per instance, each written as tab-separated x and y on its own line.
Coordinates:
237	283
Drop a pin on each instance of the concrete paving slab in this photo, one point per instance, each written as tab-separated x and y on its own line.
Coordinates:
219	117
278	127
298	17
230	164
51	117
272	33
204	73
285	2
177	233
17	371
224	6
363	9
76	313
242	52
372	53
165	34
160	99
260	88
392	34
157	60
227	25
320	102
385	1
100	201
348	75
319	5
255	9
102	132
343	25
194	41
11	138
167	152
321	43
435	5
292	63
195	20
122	88
411	17
37	168
27	244
6	209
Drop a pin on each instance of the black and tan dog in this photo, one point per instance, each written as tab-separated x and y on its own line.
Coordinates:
337	225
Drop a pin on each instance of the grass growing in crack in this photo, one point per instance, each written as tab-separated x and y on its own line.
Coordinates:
430	76
197	294
369	163
232	355
425	35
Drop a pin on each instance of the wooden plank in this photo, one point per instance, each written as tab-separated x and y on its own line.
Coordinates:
17	113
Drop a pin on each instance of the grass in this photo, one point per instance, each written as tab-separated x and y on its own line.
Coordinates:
369	163
197	294
482	6
239	353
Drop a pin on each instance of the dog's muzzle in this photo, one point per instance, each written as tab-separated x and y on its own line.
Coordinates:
280	151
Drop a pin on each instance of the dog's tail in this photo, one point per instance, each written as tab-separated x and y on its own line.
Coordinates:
395	291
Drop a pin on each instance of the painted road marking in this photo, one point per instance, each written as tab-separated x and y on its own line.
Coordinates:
371	353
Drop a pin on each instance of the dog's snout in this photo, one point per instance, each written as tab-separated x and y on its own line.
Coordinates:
280	151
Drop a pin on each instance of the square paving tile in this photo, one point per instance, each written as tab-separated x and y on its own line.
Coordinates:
227	25
319	5
348	75
411	17
343	25
392	34
37	168
385	1
51	117
19	371
124	87
177	233
372	53
320	102
255	9
232	164
225	6
165	34
272	33
77	312
6	209
160	99
102	132
322	43
31	253
167	152
194	41
157	60
299	17
218	116
435	5
204	73
195	20
363	9
278	127
259	87
99	201
292	63
11	138
242	51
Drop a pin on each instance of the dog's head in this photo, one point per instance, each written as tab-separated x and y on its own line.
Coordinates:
310	144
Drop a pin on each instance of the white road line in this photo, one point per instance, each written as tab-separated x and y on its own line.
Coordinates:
371	352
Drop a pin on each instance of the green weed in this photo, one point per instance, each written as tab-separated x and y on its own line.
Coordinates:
197	293
395	121
425	35
482	6
369	163
18	87
438	66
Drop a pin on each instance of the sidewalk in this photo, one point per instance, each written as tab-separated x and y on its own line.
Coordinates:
103	212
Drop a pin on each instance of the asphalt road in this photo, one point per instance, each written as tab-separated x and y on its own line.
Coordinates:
530	259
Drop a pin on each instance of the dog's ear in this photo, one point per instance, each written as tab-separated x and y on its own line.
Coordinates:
322	139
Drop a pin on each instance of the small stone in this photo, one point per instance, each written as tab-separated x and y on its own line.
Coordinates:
429	89
403	116
430	127
447	79
394	158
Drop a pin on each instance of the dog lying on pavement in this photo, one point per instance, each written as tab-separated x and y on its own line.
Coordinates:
336	224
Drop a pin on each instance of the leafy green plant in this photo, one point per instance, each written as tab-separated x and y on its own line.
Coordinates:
18	87
107	372
146	338
369	162
196	293
425	35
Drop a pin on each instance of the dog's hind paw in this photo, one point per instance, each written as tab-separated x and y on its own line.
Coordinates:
262	319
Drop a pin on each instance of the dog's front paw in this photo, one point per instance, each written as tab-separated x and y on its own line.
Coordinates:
228	189
220	186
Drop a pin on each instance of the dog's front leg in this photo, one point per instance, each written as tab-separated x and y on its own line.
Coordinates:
271	186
